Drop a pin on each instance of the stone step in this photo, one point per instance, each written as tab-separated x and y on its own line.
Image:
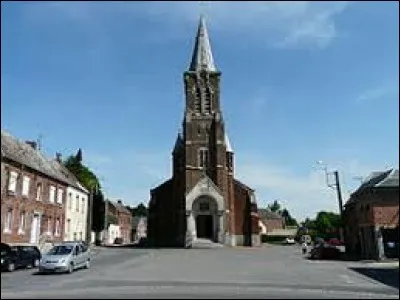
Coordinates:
205	244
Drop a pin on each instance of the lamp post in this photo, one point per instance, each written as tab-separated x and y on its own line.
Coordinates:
336	186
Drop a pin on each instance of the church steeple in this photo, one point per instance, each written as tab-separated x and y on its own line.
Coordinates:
202	59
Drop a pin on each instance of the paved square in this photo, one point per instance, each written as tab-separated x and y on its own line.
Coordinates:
266	272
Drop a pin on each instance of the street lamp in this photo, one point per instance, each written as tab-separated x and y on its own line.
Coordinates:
336	186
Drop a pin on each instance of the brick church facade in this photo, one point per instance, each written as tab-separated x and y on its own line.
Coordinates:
202	199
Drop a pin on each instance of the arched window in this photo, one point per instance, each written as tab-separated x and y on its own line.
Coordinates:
197	100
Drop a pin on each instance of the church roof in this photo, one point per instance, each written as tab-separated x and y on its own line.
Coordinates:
178	143
228	144
202	59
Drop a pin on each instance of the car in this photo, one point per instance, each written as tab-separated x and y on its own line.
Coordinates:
19	256
289	241
65	258
325	251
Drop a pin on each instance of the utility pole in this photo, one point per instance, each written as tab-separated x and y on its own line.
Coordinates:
90	217
105	220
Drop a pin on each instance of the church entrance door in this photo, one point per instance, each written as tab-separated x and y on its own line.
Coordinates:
204	226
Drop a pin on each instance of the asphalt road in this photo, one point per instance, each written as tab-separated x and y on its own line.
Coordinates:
269	272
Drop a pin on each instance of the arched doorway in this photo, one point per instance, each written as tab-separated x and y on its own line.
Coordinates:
205	215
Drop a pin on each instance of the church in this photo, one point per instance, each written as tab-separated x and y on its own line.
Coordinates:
202	200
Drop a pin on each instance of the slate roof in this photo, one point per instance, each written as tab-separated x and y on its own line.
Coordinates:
377	180
69	177
246	187
119	207
268	215
202	58
24	154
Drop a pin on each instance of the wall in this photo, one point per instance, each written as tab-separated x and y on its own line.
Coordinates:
76	214
28	204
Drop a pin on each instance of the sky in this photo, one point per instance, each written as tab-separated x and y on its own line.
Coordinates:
301	82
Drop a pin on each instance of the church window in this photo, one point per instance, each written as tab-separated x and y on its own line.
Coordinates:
197	100
203	158
207	101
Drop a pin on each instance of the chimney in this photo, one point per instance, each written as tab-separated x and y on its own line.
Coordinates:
33	144
119	202
58	157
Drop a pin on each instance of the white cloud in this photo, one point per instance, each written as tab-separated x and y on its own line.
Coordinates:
378	92
279	24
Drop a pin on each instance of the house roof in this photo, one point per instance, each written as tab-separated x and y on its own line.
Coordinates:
24	154
246	187
377	180
69	177
119	206
268	215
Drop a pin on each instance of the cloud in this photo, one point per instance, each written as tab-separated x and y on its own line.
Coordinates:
378	92
278	24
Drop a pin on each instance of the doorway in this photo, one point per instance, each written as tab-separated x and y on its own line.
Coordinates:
204	226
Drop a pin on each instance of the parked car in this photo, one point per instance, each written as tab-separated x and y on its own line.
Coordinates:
325	251
19	256
289	241
65	257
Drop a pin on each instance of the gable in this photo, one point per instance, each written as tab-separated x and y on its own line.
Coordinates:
205	187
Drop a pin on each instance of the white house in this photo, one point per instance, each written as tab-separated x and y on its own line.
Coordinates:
76	206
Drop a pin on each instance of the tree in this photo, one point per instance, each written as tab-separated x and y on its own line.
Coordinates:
289	220
275	206
325	225
90	181
140	210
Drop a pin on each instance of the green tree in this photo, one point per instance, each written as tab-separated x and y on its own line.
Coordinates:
90	181
289	220
275	207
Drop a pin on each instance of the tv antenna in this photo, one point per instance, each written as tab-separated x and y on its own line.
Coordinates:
39	141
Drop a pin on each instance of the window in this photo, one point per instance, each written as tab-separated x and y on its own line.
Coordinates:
68	226
8	221
60	194
69	201
83	205
207	101
77	203
197	100
21	229
203	158
57	230
49	227
52	193
39	191
12	181
25	186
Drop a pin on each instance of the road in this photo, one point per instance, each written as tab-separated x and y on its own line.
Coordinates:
267	272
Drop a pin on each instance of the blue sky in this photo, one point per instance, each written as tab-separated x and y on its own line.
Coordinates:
301	82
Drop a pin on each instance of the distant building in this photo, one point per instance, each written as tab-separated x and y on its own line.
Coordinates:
118	215
371	217
139	227
269	221
33	194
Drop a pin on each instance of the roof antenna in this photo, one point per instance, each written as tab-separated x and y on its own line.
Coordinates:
39	141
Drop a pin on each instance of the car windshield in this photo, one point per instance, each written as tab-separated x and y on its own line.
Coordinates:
61	250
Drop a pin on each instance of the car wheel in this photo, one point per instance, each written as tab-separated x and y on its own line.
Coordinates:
87	264
11	267
36	263
70	268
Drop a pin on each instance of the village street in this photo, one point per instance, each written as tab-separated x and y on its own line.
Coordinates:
266	272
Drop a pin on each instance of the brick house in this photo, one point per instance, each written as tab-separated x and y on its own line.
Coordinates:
120	216
33	194
270	221
202	199
371	217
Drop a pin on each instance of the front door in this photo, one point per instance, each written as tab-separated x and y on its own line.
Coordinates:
204	226
35	229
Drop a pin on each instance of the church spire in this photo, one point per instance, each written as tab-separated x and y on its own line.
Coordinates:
202	59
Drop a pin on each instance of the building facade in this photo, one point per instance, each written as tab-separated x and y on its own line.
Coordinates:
202	199
33	196
371	217
121	219
76	204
